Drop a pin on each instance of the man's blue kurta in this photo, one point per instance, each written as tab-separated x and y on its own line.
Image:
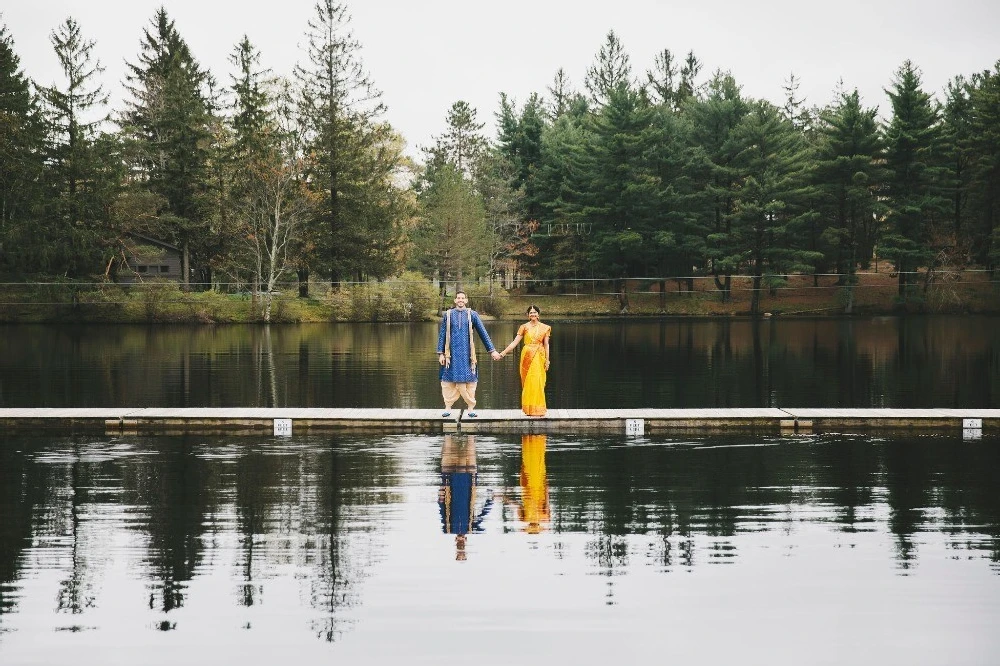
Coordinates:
460	369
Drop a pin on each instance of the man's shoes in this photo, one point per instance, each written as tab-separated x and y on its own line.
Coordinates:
472	415
446	414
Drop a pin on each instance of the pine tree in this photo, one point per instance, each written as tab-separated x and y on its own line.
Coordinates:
850	178
795	109
74	115
984	146
688	87
265	198
451	240
252	90
169	124
661	81
21	155
956	135
462	145
503	207
768	199
714	119
621	200
519	141
611	71
562	181
561	95
670	85
355	153
913	145
679	237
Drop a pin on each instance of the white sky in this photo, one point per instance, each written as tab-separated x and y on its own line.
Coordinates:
426	54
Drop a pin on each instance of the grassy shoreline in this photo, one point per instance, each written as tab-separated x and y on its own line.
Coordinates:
875	294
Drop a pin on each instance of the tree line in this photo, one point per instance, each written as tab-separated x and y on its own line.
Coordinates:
663	172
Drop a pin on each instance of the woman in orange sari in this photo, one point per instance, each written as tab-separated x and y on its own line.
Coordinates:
534	362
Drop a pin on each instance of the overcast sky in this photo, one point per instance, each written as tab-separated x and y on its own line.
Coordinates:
426	54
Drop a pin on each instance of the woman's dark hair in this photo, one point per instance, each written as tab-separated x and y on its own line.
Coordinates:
535	308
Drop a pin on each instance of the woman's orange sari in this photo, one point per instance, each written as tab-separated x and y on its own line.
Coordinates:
533	368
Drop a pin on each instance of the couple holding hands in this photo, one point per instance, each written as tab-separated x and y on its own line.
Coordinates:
457	356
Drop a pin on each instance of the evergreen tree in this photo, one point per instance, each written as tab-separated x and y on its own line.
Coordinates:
520	143
795	109
253	166
451	241
956	135
252	90
850	177
356	155
913	143
611	71
75	210
462	145
169	124
768	211
984	147
670	85
688	87
716	175
679	237
561	95
503	207
620	202
562	180
661	81
21	155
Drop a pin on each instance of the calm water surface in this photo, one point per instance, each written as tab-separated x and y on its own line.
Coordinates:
496	550
874	362
816	550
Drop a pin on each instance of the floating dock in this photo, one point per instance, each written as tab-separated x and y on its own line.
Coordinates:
285	421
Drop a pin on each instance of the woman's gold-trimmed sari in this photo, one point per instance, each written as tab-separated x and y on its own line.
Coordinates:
533	368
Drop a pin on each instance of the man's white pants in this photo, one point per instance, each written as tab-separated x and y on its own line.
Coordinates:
451	390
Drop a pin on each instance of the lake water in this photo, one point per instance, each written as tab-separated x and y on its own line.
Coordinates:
808	550
875	362
418	549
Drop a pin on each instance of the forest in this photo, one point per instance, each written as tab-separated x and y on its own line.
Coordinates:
657	172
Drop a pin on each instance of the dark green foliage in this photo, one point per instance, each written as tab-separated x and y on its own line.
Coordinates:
355	155
913	157
169	125
850	178
984	157
663	177
769	215
21	156
714	120
451	238
71	235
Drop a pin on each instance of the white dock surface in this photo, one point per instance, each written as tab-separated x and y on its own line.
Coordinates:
253	420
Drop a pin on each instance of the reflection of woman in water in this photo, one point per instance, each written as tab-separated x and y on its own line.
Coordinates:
534	362
534	508
457	495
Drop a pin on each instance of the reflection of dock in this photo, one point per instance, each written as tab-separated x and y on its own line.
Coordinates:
265	421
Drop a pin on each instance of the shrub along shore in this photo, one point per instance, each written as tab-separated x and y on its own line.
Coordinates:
956	292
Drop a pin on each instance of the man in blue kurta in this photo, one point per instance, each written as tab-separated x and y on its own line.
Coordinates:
457	354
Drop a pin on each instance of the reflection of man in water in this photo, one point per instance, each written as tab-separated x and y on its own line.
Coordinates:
457	496
534	508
